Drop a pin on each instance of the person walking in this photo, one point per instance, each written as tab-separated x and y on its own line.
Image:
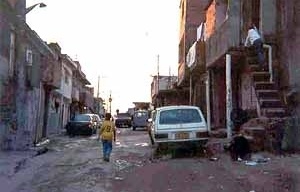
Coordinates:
107	134
254	39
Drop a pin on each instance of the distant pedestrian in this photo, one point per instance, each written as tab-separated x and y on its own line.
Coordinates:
254	39
107	134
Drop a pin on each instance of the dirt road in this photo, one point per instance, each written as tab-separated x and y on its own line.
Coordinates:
75	164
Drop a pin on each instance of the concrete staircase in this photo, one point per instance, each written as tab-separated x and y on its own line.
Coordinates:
271	110
269	100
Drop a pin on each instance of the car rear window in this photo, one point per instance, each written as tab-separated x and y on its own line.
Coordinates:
82	118
178	116
140	114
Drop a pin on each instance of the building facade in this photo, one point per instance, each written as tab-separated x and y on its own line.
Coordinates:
35	82
233	79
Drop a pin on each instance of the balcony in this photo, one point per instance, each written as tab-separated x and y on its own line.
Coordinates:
75	94
196	58
226	37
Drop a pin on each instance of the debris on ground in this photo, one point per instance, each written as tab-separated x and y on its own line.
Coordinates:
41	151
213	159
119	178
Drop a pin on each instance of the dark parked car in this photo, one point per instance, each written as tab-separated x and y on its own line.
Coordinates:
85	124
140	119
123	120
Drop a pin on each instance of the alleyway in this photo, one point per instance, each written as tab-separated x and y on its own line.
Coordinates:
75	164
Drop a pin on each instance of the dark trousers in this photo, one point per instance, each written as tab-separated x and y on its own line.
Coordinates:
107	148
258	45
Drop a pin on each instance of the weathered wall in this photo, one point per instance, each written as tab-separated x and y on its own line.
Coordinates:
289	46
7	85
215	16
268	14
192	14
218	108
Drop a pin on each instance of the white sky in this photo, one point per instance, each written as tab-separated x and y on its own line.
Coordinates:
117	40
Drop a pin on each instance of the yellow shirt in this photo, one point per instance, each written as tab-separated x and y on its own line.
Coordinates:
107	130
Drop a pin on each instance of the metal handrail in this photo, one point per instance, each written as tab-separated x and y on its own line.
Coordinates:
269	47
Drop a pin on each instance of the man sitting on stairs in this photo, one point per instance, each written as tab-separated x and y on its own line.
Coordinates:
254	39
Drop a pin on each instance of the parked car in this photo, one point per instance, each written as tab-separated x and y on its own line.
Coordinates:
97	120
178	124
123	120
140	119
85	124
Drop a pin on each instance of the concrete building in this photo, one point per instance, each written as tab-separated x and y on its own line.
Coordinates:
192	14
35	82
233	78
164	91
29	66
82	96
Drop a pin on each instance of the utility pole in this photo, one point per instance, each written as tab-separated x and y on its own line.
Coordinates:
157	77
110	100
157	74
98	87
98	100
170	80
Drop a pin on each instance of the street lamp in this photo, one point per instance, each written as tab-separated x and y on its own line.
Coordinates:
33	6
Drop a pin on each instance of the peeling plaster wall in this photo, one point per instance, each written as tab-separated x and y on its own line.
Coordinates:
290	46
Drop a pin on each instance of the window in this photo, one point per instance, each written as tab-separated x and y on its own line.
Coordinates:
12	54
29	57
67	74
66	79
178	116
82	117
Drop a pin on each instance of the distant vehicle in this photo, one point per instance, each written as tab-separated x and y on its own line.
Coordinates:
140	119
131	111
98	120
85	124
123	120
178	124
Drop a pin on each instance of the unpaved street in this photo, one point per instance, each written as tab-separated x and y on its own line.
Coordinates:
75	164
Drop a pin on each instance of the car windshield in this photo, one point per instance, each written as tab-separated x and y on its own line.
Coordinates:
178	116
140	114
82	117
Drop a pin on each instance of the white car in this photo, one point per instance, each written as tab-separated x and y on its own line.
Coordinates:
178	124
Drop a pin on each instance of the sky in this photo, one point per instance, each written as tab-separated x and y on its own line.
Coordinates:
116	40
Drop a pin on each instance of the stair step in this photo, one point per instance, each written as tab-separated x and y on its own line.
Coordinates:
252	60
273	103
250	51
254	68
264	85
261	76
267	94
274	112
